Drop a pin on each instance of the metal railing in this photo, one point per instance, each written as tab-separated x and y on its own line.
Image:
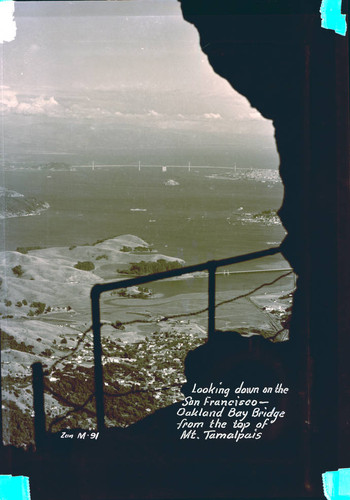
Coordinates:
98	289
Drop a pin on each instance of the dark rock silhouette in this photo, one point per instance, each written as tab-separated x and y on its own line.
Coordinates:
149	460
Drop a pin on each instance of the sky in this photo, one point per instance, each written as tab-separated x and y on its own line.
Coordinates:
109	76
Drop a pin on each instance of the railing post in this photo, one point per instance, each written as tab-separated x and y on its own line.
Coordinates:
99	385
38	403
211	299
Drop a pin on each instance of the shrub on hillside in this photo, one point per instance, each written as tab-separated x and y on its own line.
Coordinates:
103	256
143	267
39	308
25	250
125	248
142	249
47	352
18	271
85	265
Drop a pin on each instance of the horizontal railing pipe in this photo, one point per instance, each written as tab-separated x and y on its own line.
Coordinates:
106	287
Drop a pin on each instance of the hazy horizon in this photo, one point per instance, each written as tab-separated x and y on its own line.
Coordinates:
120	80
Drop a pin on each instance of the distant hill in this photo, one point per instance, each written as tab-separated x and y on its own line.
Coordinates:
13	204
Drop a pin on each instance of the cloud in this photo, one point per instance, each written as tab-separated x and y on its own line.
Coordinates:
10	102
118	111
39	106
151	112
8	98
147	114
213	116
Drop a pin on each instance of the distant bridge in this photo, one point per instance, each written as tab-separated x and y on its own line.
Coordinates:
140	165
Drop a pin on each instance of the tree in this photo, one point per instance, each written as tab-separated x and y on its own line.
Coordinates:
18	271
85	265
